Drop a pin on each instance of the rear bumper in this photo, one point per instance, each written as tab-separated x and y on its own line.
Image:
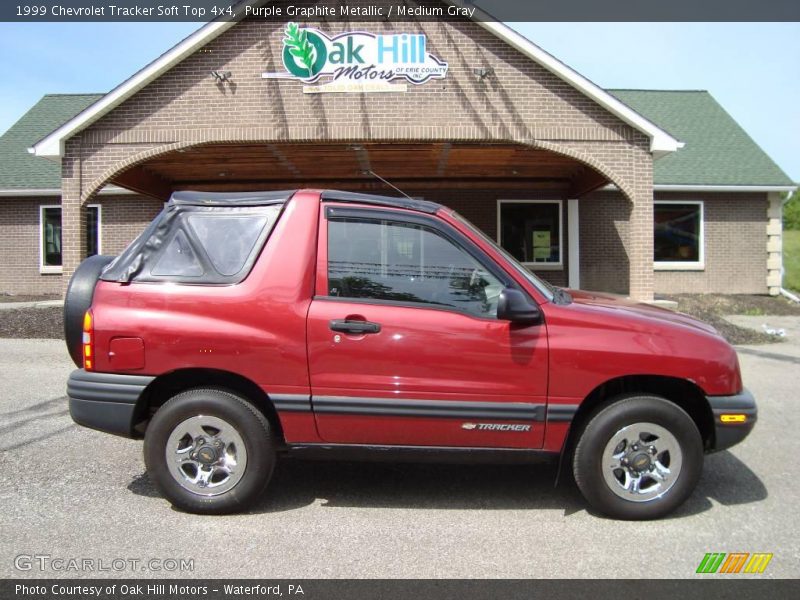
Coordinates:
105	401
730	434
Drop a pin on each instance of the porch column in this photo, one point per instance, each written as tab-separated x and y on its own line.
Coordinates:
640	244
73	225
774	243
573	233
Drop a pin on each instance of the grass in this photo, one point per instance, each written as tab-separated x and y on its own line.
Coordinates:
791	260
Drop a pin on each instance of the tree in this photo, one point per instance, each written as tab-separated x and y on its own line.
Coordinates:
791	212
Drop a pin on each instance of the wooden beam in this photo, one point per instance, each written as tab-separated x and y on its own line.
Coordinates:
417	185
586	181
443	156
142	181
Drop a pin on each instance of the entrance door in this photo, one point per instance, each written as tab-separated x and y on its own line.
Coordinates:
404	344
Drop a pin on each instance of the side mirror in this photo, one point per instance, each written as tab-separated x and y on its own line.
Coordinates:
516	307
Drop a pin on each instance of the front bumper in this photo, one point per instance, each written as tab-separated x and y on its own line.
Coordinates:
731	433
105	401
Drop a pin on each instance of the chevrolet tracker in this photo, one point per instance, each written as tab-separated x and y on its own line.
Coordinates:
239	328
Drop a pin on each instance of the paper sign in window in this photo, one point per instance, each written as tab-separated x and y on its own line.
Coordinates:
541	246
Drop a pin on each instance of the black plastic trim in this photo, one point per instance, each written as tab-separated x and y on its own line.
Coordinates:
448	409
394	202
105	401
107	387
730	434
436	454
110	417
561	412
291	402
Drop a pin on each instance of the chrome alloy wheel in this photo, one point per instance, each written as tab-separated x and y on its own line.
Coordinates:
641	462
206	455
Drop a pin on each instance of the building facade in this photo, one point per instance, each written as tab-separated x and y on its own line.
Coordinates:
627	191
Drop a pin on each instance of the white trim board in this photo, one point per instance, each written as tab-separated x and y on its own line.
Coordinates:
671	187
574	244
49	192
52	145
692	187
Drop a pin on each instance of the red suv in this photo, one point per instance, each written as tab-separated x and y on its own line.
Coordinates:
242	327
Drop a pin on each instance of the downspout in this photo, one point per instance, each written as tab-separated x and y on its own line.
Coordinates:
789	295
784	292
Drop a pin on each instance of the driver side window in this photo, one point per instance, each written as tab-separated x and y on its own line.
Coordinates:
406	262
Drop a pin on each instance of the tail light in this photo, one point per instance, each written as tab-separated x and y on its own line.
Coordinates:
88	341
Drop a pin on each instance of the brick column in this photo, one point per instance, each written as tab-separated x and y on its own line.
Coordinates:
774	243
73	225
640	245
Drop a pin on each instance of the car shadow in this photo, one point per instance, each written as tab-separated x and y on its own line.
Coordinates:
725	480
300	483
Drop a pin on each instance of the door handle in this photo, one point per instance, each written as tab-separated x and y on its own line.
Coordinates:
354	327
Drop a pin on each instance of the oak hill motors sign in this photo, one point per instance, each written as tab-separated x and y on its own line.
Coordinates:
357	61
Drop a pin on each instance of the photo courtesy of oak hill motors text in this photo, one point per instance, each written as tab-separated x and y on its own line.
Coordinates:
151	590
271	12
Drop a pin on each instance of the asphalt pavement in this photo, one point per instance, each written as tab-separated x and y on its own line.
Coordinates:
77	503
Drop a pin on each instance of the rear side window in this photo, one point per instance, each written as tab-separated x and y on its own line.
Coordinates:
178	259
197	244
227	239
406	262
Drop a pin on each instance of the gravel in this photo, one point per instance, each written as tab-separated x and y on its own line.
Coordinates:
33	323
713	308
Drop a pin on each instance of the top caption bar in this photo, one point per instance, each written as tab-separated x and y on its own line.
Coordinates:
399	10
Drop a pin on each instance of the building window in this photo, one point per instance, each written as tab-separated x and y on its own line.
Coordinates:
50	232
678	234
531	231
92	229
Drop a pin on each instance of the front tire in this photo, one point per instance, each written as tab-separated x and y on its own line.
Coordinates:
638	458
209	452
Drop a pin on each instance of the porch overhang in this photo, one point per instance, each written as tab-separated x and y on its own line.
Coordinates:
413	167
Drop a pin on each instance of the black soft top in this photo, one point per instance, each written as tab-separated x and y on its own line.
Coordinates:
230	198
215	238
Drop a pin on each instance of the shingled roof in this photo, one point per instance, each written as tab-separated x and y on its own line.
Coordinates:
18	168
717	151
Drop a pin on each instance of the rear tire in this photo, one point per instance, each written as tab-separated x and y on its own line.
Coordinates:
77	301
638	458
209	452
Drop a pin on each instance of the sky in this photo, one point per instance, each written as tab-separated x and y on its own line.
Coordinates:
752	69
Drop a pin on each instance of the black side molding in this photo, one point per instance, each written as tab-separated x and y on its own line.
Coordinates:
447	409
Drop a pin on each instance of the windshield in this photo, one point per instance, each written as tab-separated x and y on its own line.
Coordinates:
547	290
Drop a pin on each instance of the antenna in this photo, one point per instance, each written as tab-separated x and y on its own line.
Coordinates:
391	185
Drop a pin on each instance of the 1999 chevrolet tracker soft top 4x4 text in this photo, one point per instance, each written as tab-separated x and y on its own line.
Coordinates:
239	327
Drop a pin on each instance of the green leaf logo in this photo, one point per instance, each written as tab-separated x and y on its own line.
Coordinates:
306	52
